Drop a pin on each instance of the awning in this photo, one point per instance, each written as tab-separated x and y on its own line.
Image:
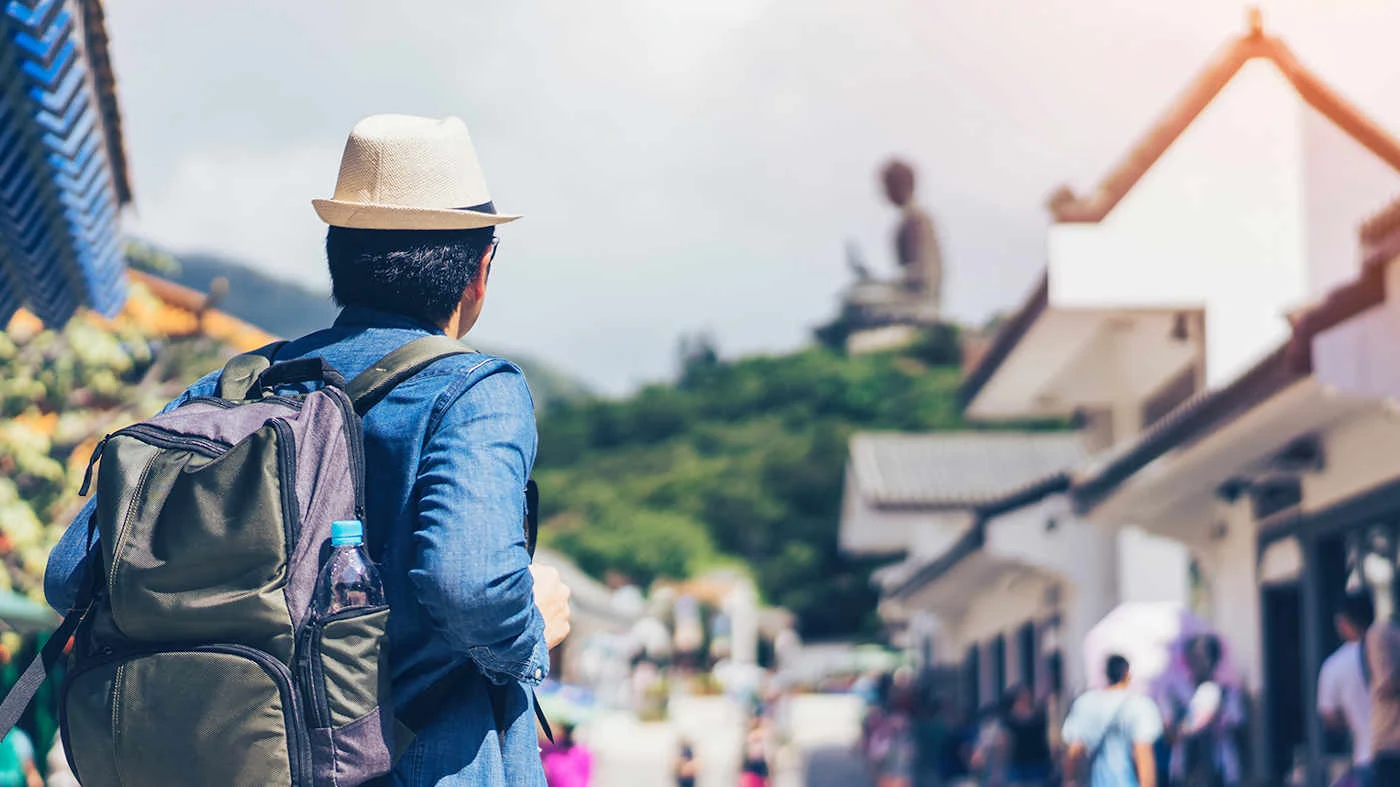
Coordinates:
1182	475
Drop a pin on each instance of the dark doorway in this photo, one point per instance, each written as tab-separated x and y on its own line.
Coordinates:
1283	671
972	682
998	657
1026	657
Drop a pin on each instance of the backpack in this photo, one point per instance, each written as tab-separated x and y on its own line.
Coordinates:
197	658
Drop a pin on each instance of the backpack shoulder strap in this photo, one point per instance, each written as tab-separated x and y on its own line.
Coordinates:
374	383
241	370
22	693
1115	724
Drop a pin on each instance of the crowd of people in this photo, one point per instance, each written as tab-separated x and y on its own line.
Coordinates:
1184	733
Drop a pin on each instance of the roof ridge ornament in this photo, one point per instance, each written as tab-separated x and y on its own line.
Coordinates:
1256	21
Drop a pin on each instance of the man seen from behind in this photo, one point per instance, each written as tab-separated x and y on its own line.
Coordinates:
447	455
1110	733
1343	693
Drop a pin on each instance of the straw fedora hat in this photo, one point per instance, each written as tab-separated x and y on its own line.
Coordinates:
401	172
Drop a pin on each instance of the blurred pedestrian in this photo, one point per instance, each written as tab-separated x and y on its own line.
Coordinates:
567	762
931	741
687	768
1027	739
1204	714
891	750
1383	659
17	768
989	752
60	774
1343	685
754	771
1110	733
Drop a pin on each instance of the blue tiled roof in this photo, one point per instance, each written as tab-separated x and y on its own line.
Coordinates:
62	170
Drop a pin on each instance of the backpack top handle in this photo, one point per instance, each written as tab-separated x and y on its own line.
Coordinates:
300	370
241	371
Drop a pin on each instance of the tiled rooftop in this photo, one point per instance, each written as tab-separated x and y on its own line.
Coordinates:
958	469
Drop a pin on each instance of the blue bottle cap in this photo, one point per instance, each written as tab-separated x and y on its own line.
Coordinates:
347	533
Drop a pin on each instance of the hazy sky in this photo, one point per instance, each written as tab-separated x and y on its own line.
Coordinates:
683	165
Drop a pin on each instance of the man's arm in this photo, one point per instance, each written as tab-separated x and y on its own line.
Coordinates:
1329	705
1146	761
1074	761
472	570
1381	658
1147	727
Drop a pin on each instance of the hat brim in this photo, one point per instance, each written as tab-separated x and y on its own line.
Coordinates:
366	216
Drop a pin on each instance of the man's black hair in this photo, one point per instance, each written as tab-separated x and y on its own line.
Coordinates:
1359	610
1117	669
1207	646
416	273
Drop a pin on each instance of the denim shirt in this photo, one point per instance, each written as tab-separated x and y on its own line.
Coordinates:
448	453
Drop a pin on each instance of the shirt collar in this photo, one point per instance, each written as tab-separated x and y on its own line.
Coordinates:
365	317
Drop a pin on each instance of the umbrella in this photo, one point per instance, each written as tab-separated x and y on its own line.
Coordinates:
25	616
1151	636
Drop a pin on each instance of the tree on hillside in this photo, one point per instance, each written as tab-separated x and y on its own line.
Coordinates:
738	461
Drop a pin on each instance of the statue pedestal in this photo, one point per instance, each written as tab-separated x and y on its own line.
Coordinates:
888	337
878	316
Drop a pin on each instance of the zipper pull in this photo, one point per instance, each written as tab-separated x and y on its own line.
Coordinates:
87	474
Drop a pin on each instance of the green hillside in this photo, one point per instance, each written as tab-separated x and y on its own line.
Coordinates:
737	462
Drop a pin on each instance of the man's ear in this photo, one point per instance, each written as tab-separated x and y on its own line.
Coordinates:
477	288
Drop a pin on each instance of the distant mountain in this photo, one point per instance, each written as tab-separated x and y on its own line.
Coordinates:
277	306
289	309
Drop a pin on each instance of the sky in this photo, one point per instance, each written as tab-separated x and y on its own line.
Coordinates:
683	166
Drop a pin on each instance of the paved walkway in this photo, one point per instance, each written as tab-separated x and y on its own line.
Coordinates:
826	729
632	754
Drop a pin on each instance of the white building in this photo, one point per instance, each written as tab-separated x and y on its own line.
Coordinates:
1212	317
1285	486
995	569
1212	313
1176	271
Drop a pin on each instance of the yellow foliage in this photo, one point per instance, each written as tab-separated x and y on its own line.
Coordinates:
40	423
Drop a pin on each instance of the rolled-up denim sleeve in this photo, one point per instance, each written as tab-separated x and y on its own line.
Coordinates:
64	573
63	576
472	569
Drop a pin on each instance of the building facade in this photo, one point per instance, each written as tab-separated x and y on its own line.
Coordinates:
1214	319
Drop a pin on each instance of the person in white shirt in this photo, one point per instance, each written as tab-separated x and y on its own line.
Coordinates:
1343	685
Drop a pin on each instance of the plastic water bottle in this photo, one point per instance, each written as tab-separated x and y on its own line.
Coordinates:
349	579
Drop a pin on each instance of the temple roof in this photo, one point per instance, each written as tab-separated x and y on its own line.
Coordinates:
100	60
1255	44
63	167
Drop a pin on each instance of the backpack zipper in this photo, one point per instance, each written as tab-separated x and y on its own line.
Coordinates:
126	522
225	404
354	438
298	737
308	646
309	668
287	468
161	437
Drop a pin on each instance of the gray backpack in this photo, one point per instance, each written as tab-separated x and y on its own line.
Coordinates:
197	658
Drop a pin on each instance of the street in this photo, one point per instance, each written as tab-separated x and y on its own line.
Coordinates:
825	728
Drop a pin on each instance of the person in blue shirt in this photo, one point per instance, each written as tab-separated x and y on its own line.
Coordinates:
1112	731
447	455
